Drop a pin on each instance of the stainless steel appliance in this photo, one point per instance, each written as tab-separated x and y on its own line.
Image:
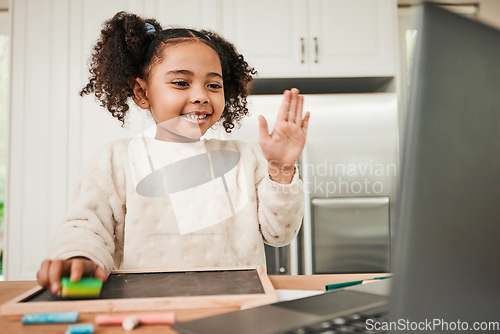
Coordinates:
349	167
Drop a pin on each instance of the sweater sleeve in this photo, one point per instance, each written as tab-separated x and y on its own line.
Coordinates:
280	206
96	217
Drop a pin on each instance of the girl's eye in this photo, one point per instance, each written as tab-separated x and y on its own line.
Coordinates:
214	86
181	83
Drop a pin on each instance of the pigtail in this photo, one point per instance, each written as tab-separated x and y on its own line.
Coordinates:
118	57
238	78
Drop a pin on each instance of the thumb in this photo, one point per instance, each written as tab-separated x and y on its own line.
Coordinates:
101	273
263	129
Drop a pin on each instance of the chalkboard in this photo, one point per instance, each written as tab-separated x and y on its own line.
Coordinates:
155	290
172	284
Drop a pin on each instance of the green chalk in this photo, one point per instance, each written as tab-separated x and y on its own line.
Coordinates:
86	287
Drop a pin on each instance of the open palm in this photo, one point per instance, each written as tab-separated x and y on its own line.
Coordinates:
284	145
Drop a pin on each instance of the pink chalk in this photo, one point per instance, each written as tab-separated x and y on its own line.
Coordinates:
164	318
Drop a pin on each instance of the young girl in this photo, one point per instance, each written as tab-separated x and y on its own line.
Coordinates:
175	200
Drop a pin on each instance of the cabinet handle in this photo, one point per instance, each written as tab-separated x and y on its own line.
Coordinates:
316	52
302	51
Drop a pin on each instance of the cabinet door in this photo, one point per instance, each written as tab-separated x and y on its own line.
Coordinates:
352	38
196	14
271	35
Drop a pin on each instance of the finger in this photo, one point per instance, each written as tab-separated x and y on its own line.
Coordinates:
55	272
285	105
263	129
292	110
42	275
85	267
305	122
78	269
300	107
101	273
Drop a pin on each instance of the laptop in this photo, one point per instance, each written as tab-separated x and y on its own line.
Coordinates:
447	249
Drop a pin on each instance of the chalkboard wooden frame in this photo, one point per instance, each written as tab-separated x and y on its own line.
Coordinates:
21	304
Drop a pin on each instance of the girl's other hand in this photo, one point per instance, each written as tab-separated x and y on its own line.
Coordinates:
50	272
284	145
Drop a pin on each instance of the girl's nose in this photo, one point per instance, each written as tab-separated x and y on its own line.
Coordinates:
199	95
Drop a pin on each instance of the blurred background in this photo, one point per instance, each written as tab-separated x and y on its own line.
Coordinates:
352	60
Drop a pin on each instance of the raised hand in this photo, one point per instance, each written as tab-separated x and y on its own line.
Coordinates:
284	145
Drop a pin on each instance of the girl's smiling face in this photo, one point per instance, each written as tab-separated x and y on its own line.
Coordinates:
184	91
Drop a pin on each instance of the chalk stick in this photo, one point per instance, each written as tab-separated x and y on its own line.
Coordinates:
86	287
40	318
130	323
160	318
80	329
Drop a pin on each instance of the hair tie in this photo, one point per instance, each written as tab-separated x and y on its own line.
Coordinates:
150	29
208	37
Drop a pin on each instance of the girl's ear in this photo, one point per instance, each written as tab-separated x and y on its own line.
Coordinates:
140	98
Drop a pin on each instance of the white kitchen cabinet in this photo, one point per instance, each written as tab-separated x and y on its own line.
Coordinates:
314	38
197	14
271	35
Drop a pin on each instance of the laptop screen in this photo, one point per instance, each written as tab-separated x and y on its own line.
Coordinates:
448	249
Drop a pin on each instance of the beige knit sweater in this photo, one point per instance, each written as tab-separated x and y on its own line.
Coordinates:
224	221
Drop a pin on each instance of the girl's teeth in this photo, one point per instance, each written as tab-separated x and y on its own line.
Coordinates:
194	116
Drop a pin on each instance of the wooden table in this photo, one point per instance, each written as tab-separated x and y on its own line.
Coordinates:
12	289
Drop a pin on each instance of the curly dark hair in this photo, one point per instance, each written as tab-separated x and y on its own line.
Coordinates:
125	50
